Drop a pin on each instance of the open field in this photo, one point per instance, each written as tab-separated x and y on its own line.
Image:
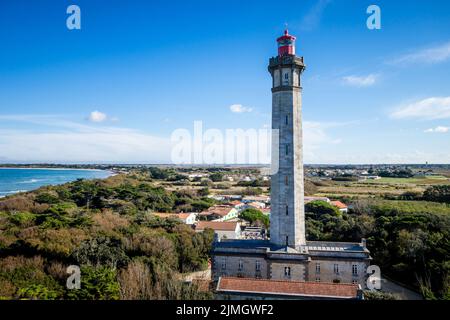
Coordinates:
383	187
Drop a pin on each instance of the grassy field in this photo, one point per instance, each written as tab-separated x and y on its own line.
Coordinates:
427	180
378	188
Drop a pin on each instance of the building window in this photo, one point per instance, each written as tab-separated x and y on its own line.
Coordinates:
355	281
286	180
318	268
287	149
287	271
336	269
287	120
287	241
287	210
258	265
241	265
355	269
286	76
317	279
224	264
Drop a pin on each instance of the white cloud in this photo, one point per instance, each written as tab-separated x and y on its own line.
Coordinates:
431	55
360	81
438	129
97	116
66	141
239	108
426	109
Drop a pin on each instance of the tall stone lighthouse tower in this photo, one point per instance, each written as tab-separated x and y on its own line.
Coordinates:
287	221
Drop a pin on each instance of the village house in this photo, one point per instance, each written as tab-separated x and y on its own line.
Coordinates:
187	218
222	230
248	199
220	213
255	205
341	206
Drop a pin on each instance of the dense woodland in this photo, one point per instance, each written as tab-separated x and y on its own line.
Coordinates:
125	252
106	228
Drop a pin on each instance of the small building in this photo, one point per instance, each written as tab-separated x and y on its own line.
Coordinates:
255	205
238	205
232	288
340	205
223	230
264	199
220	213
187	218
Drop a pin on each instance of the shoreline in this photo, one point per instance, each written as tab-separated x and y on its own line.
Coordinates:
109	173
52	168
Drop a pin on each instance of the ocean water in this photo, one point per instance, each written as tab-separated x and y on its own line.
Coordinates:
21	180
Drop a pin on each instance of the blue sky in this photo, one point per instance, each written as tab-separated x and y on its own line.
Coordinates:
116	90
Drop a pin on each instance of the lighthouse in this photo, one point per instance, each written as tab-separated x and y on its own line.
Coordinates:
286	255
287	219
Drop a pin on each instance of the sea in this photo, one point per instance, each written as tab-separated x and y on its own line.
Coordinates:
15	180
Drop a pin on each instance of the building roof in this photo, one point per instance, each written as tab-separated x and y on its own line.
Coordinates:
339	204
292	288
235	203
164	215
219	210
257	198
217	226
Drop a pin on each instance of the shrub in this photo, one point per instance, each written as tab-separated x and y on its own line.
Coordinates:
96	284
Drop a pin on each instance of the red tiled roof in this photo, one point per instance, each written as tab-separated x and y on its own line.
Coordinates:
215	225
217	210
339	204
296	288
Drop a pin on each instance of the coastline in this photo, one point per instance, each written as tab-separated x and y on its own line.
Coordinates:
6	193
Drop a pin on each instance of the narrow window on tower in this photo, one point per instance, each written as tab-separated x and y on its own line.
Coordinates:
336	269
258	266
355	269
287	119
287	271
241	265
287	210
318	268
287	241
287	149
286	180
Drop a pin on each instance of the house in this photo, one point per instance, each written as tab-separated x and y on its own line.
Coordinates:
238	205
342	206
187	218
255	205
222	230
264	199
220	213
235	288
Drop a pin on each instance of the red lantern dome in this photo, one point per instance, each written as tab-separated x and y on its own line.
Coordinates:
286	44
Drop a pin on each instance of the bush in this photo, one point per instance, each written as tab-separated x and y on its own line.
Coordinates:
96	284
254	216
